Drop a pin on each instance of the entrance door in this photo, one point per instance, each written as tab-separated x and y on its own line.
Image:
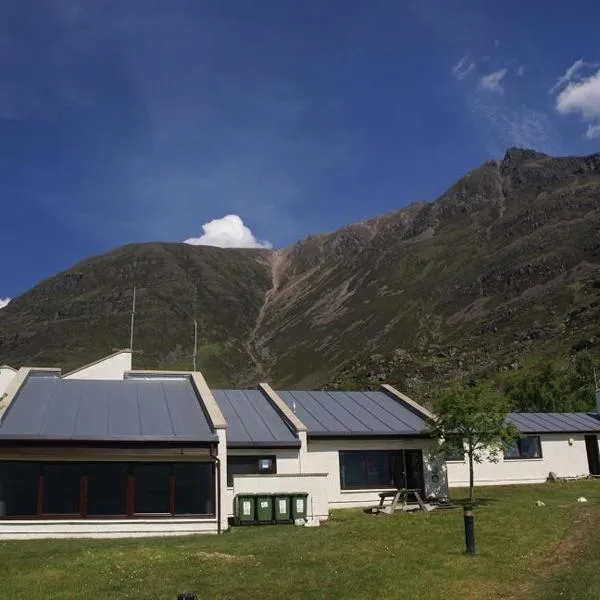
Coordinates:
407	468
593	456
413	460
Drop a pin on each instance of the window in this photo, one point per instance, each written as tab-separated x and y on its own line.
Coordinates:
106	489
32	489
194	489
367	469
527	447
61	488
455	449
18	489
249	465
152	488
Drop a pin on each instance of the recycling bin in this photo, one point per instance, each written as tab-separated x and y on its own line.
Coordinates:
264	508
299	506
283	508
245	509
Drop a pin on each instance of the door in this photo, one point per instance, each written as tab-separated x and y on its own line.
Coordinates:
407	469
593	456
413	460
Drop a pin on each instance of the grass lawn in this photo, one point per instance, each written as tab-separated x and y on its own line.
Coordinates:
524	551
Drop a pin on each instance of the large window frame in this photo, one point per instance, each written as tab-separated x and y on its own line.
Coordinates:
520	449
253	464
43	483
368	459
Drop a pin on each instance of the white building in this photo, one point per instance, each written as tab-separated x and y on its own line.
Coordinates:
105	451
565	444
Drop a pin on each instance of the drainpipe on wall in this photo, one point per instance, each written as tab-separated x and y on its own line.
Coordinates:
218	478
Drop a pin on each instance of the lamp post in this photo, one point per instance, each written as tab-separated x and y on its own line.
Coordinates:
469	528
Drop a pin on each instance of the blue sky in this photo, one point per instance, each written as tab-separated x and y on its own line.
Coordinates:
130	121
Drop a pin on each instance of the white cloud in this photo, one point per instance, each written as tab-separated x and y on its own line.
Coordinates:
463	67
521	71
4	302
492	82
593	131
582	97
228	232
569	75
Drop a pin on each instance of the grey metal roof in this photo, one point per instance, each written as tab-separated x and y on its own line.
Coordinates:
134	409
252	420
554	422
352	413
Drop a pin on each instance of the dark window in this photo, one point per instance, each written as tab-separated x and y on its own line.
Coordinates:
61	489
152	488
194	489
107	489
249	465
366	469
103	489
454	449
526	447
18	489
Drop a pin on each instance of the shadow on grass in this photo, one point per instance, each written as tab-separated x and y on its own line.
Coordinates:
477	502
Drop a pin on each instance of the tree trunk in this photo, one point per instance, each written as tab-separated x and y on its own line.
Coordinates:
471	477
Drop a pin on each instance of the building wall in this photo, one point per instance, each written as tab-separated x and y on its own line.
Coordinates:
558	456
287	460
6	376
111	367
323	457
105	528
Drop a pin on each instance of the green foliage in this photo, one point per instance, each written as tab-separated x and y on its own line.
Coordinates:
477	416
556	387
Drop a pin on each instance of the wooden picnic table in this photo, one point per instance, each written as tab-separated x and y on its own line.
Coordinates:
399	499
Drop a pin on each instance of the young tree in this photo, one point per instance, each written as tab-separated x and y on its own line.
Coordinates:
475	417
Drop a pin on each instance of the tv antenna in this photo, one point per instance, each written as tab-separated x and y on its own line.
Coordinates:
195	353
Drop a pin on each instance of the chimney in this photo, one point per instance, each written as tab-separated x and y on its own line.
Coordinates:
598	402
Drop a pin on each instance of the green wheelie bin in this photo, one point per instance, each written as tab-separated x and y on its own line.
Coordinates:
283	508
299	506
264	508
245	509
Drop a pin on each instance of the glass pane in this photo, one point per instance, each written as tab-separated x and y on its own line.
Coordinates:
352	470
512	451
18	489
152	488
249	465
379	473
194	489
61	489
530	447
107	489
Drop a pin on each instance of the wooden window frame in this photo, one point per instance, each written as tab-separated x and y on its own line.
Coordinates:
129	491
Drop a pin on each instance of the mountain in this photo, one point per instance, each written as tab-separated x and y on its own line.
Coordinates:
501	270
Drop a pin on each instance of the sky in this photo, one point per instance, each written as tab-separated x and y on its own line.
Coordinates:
240	123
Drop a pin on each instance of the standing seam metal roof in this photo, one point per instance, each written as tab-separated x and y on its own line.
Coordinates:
555	422
134	409
252	420
352	413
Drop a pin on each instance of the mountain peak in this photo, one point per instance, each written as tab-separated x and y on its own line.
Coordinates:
521	154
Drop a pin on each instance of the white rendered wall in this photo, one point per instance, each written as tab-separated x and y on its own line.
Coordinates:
314	484
104	528
558	456
6	376
323	457
111	367
287	460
